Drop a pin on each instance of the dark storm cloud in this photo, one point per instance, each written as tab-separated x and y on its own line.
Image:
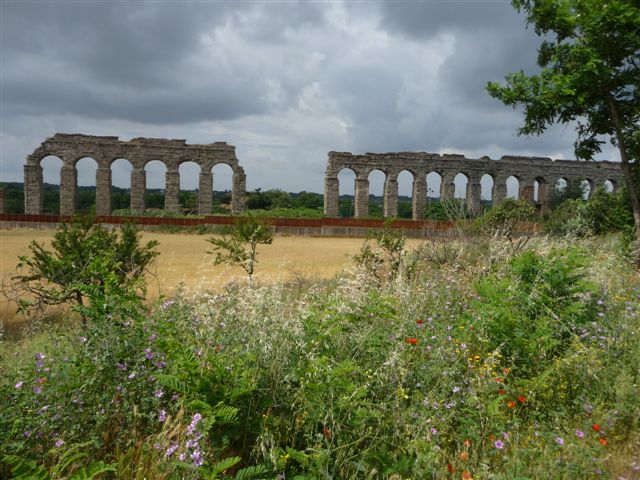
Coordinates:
283	81
144	62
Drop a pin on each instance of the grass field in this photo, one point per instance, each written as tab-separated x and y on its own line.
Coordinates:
183	261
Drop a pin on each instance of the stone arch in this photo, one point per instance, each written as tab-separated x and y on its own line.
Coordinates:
377	180
121	172
222	185
406	179
434	185
156	185
561	185
47	193
188	176
609	185
461	181
586	185
346	178
513	186
487	183
86	173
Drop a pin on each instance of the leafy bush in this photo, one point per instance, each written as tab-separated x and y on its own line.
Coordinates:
87	261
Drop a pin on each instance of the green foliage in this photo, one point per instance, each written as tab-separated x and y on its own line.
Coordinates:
603	213
385	259
527	312
502	220
87	260
240	246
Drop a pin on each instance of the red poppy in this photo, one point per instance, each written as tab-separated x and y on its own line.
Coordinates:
499	380
522	398
420	322
467	442
450	468
603	441
502	391
492	437
595	427
466	475
411	341
326	432
511	404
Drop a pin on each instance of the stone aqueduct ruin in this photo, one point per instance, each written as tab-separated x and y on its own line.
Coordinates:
527	170
105	150
70	148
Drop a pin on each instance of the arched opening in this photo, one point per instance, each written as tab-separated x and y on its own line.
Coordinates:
586	187
50	198
376	193
486	189
121	185
461	182
513	187
609	186
560	187
346	191
434	210
86	169
156	184
222	178
405	194
539	190
189	173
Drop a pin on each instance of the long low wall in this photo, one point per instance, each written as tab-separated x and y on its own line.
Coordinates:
329	227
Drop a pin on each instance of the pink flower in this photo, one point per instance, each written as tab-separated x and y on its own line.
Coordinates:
499	445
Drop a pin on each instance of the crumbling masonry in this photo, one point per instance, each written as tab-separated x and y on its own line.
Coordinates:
527	170
105	150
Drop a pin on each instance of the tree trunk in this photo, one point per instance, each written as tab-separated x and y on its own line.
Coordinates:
627	173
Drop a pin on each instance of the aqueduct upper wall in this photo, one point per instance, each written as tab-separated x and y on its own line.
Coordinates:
528	170
139	151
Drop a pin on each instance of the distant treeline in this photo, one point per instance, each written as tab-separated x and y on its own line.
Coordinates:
276	202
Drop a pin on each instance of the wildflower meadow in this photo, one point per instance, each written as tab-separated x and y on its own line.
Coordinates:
466	360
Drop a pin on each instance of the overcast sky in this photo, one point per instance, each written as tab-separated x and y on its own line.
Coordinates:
285	82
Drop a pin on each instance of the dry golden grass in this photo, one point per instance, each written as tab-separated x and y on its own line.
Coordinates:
183	260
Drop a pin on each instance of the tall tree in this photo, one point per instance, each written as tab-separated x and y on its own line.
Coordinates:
590	75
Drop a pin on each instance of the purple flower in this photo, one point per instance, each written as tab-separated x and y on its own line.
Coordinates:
167	303
39	356
559	440
171	449
19	384
162	415
579	434
433	431
193	443
121	366
196	456
505	435
499	445
148	353
157	446
37	390
182	457
59	443
153	337
158	393
131	376
26	434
